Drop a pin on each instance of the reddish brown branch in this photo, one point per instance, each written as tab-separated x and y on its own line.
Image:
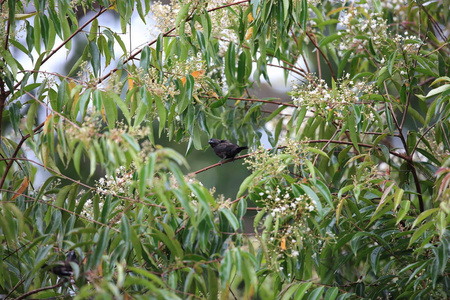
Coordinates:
313	40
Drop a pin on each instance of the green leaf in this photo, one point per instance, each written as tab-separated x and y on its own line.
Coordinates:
403	211
226	266
329	39
317	151
301	291
109	106
31	115
123	107
93	31
230	217
439	90
173	245
418	232
316	293
145	58
37	34
331	293
325	192
162	113
95	56
352	128
385	198
304	14
62	96
125	228
424	215
375	259
246	183
100	247
154	278
13	64
182	13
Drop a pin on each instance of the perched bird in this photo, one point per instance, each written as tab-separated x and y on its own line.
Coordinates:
63	268
225	149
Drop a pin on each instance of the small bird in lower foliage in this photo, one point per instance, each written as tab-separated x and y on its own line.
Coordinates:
63	268
225	149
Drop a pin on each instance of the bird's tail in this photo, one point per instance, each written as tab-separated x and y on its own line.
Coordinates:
242	148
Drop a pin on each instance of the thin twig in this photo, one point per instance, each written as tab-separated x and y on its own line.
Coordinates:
63	209
60	283
16	151
88	186
167	33
407	155
65	42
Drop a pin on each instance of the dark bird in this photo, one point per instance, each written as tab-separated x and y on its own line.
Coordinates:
63	268
225	149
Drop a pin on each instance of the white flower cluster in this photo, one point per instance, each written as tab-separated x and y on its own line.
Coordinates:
408	43
283	203
115	185
317	96
358	29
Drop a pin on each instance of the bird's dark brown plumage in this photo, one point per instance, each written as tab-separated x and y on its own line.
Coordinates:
63	268
225	149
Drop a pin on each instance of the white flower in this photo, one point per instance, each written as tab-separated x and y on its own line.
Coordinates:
295	253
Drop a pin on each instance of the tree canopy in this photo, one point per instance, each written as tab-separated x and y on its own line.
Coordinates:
348	195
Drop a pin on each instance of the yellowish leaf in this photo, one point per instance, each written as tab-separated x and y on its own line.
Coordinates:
113	5
130	86
250	18
249	33
47	123
195	74
283	243
76	96
22	188
103	114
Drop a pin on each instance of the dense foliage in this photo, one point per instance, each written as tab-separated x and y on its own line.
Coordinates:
352	200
